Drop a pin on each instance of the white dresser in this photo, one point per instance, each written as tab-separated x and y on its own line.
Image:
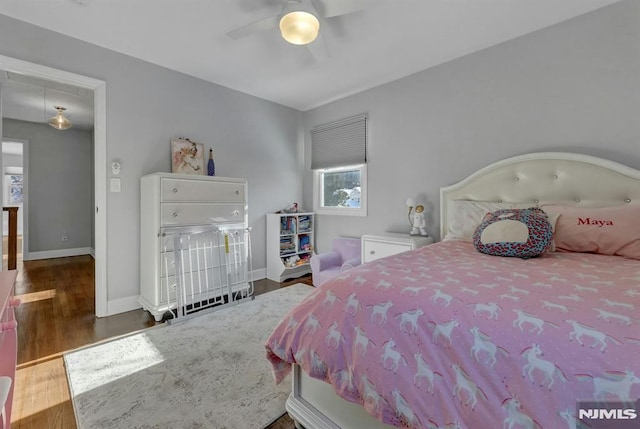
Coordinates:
387	244
176	200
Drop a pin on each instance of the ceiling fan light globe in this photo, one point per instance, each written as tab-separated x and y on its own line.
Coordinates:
299	27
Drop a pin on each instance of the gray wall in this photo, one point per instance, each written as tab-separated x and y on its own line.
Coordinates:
147	105
572	87
59	184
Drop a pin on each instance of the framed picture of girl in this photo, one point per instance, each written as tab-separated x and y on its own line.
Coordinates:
187	157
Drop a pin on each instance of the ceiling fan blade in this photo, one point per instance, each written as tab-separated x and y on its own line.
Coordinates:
329	8
318	49
255	27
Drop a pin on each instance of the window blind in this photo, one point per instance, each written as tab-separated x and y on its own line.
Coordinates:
339	143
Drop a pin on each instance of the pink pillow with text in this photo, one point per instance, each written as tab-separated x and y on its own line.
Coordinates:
605	230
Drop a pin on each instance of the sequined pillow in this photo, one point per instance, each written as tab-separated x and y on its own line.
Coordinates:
521	233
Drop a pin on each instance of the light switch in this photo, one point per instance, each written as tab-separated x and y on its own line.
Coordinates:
115	184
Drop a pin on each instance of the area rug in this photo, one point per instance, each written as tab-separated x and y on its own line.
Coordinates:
207	372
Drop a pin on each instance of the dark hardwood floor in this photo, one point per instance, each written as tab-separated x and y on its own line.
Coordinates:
57	315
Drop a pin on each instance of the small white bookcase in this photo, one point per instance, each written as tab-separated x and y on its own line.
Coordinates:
289	237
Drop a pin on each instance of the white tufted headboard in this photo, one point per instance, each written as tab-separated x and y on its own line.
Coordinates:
546	177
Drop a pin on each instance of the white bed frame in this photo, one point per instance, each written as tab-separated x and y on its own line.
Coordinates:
536	178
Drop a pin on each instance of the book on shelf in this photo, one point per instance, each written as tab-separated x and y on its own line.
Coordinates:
287	225
287	246
304	223
304	243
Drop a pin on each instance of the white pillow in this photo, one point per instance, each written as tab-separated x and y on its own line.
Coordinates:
464	216
553	220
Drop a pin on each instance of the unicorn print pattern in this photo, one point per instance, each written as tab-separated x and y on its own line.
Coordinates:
535	363
424	371
410	318
515	417
444	330
508	339
491	309
598	337
334	338
361	341
442	298
613	386
379	312
353	305
465	384
482	343
391	357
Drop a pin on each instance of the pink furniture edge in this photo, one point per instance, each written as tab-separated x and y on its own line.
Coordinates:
8	341
345	254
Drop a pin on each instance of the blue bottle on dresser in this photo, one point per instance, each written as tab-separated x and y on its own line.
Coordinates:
211	168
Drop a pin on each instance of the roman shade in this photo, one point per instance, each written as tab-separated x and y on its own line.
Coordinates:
339	143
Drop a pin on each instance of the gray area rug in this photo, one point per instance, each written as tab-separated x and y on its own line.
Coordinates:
207	372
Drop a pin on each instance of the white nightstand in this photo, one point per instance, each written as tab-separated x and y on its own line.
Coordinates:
387	244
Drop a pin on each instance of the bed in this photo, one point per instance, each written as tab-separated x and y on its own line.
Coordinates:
447	337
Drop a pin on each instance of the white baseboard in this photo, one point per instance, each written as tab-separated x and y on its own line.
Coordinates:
258	274
130	303
122	305
62	253
92	252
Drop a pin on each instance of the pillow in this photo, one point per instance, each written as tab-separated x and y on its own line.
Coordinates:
464	216
350	263
522	233
553	220
605	230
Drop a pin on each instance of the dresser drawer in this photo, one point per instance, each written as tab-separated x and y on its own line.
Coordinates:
176	214
373	250
201	190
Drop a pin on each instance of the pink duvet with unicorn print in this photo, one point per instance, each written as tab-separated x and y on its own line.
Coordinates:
444	336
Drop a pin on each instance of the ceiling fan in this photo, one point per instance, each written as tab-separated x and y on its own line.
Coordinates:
299	22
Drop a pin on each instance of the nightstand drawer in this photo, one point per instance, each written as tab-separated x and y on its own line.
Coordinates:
375	249
380	246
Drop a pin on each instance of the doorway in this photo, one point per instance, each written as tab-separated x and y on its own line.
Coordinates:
15	193
100	171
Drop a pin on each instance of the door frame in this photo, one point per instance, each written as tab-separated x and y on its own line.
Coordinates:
99	88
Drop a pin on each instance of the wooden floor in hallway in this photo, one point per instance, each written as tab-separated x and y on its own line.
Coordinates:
57	314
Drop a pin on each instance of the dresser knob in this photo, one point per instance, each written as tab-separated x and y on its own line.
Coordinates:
175	190
236	212
372	252
174	214
237	192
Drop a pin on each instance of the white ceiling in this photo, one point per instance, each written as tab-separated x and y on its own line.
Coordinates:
387	40
32	99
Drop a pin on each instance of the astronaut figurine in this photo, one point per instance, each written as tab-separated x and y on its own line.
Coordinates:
419	222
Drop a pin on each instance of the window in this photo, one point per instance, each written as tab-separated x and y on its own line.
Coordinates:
338	160
13	188
341	190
